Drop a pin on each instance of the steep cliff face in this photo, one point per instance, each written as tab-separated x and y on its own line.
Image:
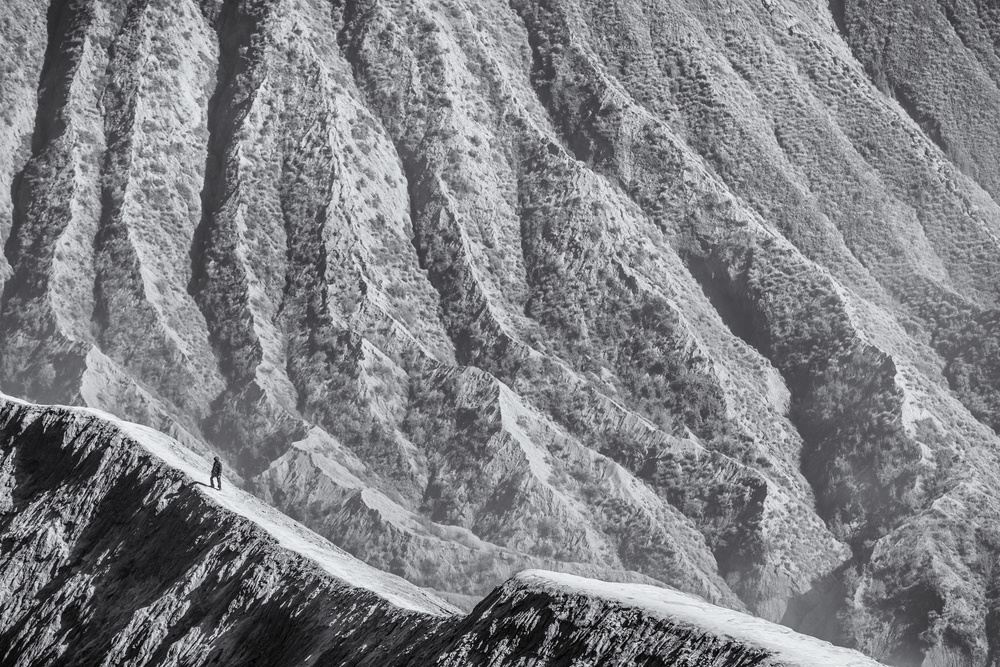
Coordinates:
647	291
114	554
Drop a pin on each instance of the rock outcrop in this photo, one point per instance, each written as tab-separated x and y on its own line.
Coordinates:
662	292
543	618
114	553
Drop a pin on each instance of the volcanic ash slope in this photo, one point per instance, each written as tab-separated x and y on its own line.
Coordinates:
659	291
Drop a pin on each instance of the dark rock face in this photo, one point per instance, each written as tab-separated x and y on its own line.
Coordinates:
112	554
541	618
661	292
111	557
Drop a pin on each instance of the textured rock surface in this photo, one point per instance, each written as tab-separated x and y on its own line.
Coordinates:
542	618
655	291
114	555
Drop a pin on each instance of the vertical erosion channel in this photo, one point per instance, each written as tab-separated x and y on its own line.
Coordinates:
37	359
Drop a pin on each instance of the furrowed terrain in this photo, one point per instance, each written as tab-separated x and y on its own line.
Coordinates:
114	553
652	291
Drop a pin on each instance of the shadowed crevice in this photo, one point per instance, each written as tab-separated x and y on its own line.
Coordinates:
219	281
36	357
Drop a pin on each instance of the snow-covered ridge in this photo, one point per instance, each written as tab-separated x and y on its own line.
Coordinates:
785	646
289	534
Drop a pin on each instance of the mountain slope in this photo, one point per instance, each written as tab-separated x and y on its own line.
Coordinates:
114	554
659	292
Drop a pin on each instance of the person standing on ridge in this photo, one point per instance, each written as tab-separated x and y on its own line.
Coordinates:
216	473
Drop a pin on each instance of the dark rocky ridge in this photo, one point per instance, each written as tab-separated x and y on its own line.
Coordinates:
112	554
653	291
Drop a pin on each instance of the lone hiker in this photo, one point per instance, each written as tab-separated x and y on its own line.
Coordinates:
216	473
